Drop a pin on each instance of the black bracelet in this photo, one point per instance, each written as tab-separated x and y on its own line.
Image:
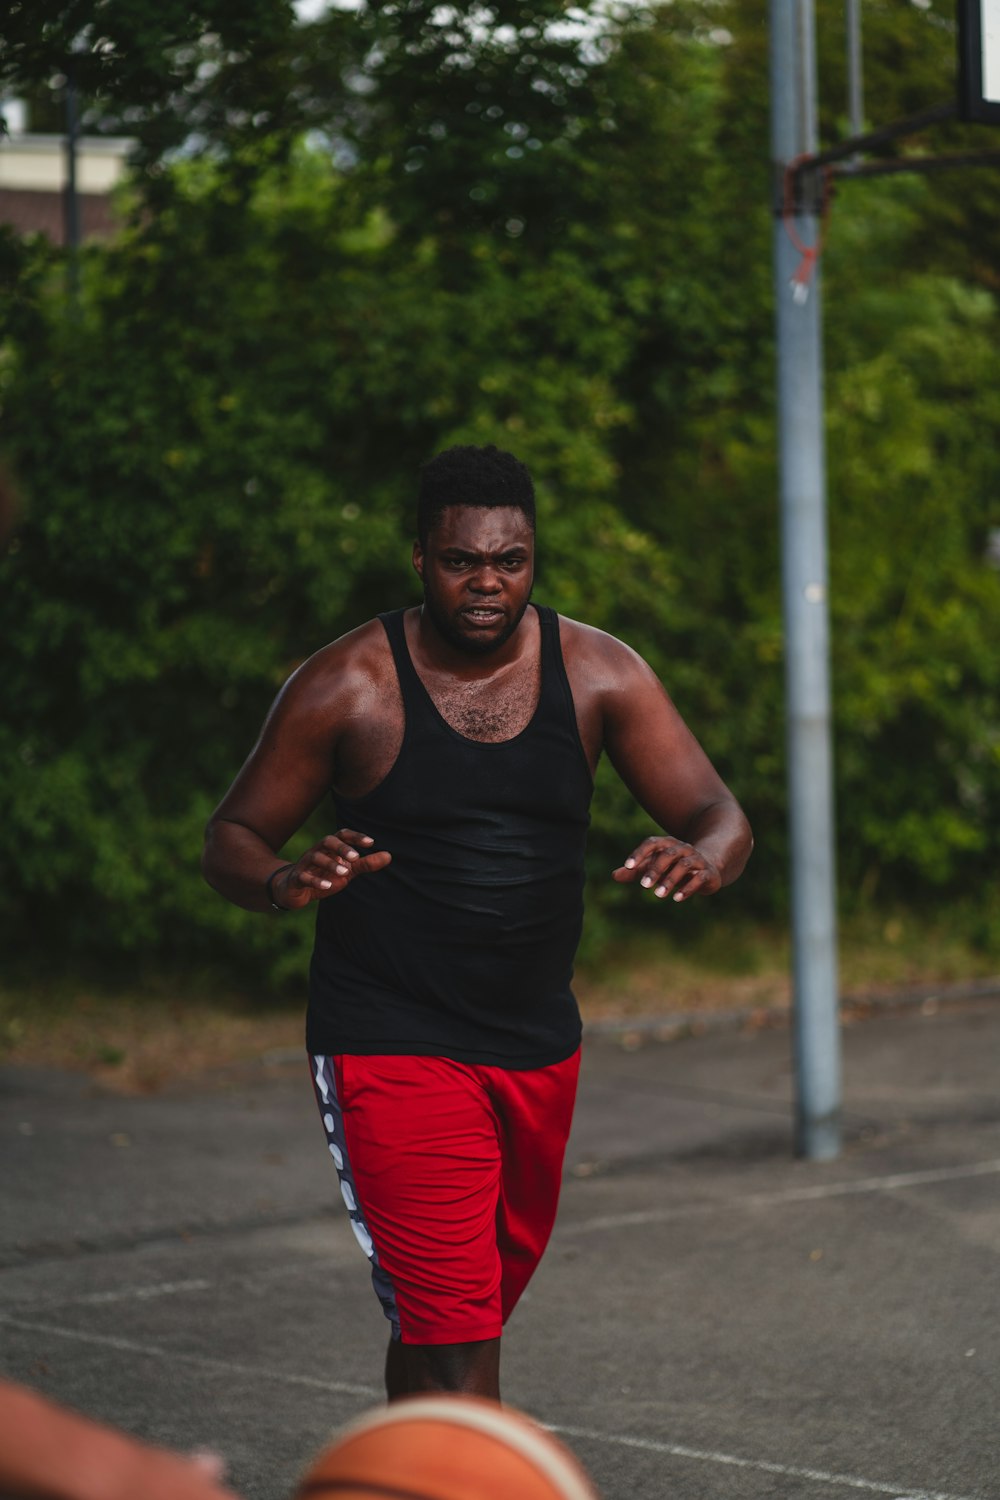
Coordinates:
269	887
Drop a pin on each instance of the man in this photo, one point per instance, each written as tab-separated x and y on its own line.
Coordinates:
459	740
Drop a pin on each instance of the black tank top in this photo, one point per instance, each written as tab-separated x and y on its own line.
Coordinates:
463	947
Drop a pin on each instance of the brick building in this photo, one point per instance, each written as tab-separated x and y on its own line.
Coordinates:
33	175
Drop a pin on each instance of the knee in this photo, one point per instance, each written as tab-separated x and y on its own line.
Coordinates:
465	1369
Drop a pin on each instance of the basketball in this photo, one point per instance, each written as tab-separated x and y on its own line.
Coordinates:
445	1448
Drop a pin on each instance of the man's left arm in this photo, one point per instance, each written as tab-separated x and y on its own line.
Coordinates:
705	840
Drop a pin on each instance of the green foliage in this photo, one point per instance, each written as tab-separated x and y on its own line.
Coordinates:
556	238
168	73
916	671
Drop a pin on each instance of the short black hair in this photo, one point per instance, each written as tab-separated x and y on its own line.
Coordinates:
466	475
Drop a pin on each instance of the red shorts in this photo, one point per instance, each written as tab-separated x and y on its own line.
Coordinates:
451	1173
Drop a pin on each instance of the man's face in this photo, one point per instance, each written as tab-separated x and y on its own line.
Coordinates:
477	570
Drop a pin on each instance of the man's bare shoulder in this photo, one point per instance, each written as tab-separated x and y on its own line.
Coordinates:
604	661
364	650
345	675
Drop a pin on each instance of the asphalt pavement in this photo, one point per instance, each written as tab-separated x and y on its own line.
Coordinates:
714	1318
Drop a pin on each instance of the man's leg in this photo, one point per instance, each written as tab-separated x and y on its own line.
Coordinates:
534	1113
420	1143
451	1246
397	1381
467	1369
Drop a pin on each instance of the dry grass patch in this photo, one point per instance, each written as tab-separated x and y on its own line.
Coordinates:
143	1040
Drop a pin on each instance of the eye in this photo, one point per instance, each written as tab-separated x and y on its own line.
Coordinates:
512	563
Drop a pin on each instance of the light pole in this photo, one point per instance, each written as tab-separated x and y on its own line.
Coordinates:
71	195
804	582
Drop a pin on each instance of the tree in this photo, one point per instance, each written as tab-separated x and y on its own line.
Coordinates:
171	74
555	239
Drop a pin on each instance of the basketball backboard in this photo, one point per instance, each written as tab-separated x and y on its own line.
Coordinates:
979	60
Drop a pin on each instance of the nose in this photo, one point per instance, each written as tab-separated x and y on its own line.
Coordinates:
485	581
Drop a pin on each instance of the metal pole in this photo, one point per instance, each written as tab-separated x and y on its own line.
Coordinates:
804	583
855	80
71	201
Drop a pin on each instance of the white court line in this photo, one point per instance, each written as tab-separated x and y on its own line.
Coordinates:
790	1195
149	1291
340	1387
789	1471
146	1292
136	1293
203	1361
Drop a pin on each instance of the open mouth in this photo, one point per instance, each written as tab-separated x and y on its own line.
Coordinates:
482	614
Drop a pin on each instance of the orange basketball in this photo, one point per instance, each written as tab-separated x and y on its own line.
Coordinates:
445	1448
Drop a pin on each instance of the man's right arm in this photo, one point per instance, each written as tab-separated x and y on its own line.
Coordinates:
49	1453
285	777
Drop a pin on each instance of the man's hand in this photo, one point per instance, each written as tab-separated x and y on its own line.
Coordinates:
49	1453
663	865
326	868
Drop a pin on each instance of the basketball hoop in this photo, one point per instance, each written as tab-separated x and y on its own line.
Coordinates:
979	61
810	254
